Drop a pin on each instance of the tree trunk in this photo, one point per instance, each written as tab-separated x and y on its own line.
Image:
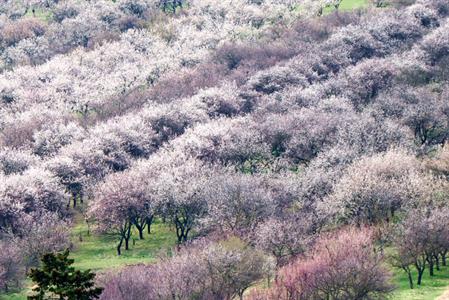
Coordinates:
140	229
179	234
437	262
119	247
182	236
443	257
126	243
428	258
88	227
140	224
410	279
241	295
420	273
179	230
127	236
186	234
420	268
149	222
409	275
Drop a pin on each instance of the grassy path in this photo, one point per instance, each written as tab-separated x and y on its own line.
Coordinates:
445	295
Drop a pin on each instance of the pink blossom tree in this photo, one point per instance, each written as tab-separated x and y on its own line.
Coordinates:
343	265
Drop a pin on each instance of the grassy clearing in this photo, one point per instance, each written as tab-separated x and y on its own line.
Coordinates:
98	252
353	4
18	295
39	13
347	5
430	289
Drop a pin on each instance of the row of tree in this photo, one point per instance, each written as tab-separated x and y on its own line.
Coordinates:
422	241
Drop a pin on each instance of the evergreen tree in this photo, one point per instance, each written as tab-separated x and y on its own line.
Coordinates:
56	277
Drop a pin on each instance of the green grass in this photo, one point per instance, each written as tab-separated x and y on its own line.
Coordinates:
19	294
98	252
353	4
39	13
347	5
14	296
430	289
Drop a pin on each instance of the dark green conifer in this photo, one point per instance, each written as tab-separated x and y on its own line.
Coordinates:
57	279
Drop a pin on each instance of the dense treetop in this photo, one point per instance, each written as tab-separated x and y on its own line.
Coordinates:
280	124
